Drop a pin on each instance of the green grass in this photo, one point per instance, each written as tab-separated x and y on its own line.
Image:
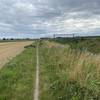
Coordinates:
92	44
68	74
17	77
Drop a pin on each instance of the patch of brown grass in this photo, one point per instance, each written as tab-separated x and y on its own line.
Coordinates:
83	67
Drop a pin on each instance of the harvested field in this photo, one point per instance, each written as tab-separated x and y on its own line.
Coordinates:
9	50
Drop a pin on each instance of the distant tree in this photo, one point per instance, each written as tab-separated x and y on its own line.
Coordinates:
82	38
11	39
27	38
4	38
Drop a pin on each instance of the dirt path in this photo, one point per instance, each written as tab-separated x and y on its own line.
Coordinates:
11	49
36	90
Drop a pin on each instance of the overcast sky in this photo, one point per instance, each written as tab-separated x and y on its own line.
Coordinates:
35	18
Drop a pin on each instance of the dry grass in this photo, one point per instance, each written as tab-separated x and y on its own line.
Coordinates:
63	65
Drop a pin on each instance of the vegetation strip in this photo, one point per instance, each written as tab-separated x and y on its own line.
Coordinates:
36	90
91	44
17	77
68	74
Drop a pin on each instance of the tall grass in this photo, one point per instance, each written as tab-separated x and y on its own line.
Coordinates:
68	74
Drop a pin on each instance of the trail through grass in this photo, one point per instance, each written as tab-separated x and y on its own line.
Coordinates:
36	90
65	74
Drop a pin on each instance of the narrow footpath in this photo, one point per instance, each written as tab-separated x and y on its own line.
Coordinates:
36	89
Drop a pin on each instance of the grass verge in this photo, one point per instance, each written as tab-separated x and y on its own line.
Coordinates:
90	44
68	74
17	77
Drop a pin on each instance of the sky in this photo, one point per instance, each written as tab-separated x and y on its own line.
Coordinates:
39	18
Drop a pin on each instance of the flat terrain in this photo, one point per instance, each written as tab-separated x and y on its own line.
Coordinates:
56	69
17	77
9	50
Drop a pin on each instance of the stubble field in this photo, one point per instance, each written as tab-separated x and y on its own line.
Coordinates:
8	50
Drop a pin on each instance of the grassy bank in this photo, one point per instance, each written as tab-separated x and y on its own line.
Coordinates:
92	44
17	77
67	74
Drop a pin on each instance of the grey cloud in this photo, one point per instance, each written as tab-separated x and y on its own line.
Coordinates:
48	16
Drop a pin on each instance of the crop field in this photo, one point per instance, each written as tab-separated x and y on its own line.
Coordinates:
56	69
9	50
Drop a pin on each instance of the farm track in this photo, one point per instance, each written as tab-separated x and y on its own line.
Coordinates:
10	50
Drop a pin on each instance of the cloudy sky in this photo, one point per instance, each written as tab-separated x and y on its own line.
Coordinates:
35	18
